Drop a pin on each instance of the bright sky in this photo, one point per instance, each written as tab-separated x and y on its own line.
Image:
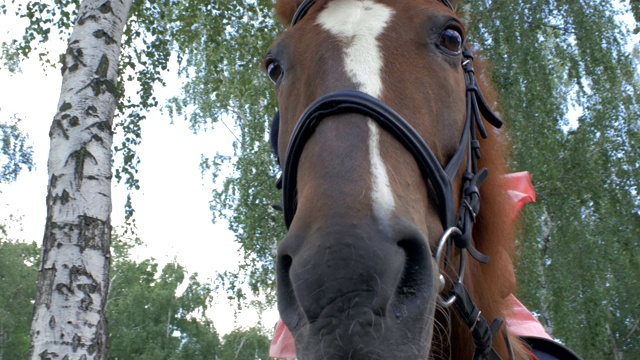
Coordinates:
172	224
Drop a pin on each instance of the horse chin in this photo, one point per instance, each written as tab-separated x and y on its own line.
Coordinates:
366	337
405	332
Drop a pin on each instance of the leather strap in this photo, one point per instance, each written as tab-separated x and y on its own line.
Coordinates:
351	101
302	11
481	331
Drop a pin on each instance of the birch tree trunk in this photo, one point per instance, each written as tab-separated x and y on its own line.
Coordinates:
69	316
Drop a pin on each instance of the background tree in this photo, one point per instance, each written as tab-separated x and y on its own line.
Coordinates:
18	276
245	344
568	87
147	317
154	312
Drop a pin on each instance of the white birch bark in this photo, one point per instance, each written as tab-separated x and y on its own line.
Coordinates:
545	301
68	321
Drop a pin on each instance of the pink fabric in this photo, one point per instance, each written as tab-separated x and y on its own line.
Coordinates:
520	321
521	189
282	345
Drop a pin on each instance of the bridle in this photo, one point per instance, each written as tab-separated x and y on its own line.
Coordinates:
457	228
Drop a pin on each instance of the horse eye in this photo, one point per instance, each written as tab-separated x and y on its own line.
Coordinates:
274	70
451	40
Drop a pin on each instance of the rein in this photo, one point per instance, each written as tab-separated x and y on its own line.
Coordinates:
458	228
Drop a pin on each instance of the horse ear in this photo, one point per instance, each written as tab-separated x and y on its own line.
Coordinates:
285	10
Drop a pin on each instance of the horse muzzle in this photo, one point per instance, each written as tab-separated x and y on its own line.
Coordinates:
357	291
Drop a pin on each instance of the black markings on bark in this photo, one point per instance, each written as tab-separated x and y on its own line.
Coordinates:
106	7
76	272
57	125
48	279
50	237
63	61
52	322
74	121
84	18
76	342
46	355
53	181
97	86
85	283
94	234
64	198
101	34
103	126
87	301
97	138
103	67
64	289
65	106
91	111
110	87
76	59
101	83
79	157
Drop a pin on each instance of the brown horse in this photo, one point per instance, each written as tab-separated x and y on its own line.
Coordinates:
380	106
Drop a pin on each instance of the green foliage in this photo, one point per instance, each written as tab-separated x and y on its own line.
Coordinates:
14	151
245	344
568	89
148	320
18	277
222	44
635	8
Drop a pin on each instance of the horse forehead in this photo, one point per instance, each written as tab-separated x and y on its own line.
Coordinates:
350	18
359	23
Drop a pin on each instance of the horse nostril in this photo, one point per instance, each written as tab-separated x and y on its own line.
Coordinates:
286	295
416	276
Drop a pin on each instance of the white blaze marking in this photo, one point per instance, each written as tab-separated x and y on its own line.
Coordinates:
358	23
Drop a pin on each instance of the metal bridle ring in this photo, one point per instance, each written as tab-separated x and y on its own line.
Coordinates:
444	243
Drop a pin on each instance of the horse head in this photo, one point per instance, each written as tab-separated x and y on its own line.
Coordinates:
379	117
